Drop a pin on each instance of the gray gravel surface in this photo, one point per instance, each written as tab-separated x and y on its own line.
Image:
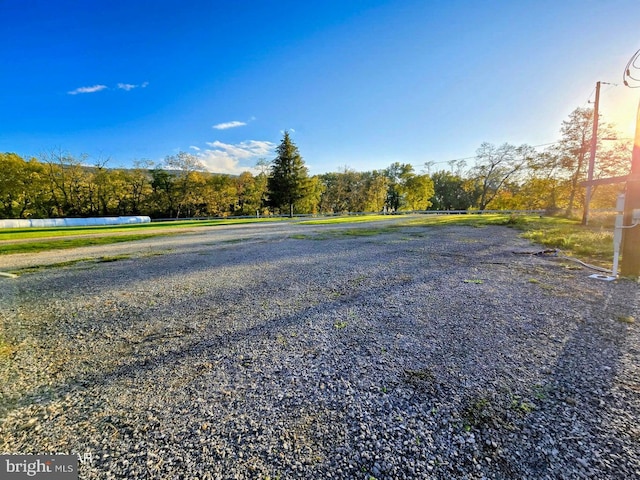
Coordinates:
318	353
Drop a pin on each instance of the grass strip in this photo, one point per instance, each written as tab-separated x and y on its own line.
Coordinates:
593	243
66	243
25	233
346	219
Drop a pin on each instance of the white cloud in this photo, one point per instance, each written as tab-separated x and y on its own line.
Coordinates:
92	89
193	147
97	88
224	126
126	86
226	158
130	86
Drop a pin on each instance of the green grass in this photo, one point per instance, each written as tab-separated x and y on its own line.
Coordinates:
361	232
59	238
345	232
24	233
593	244
470	220
346	219
66	243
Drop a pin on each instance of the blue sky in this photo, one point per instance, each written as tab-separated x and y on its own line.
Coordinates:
359	84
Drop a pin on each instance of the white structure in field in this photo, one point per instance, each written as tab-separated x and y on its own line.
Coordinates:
73	222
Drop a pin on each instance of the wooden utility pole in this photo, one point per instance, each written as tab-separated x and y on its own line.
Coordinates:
592	156
630	265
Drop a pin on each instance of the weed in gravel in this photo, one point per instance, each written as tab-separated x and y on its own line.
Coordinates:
363	232
246	362
474	280
340	324
544	286
540	392
417	376
571	266
423	380
481	411
38	268
403	278
626	319
157	253
113	258
336	294
521	406
477	413
358	280
6	349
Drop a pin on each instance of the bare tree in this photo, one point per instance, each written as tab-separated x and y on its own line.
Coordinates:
495	166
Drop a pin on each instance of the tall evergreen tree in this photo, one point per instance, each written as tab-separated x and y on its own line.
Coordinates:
288	180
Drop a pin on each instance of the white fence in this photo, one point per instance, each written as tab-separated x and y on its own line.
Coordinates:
73	222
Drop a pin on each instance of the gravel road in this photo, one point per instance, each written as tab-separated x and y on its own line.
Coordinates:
301	352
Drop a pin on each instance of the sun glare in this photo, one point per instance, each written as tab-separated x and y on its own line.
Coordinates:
619	106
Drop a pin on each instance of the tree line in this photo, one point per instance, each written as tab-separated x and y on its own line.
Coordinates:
500	177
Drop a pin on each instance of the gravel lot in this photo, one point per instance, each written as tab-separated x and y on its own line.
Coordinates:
289	351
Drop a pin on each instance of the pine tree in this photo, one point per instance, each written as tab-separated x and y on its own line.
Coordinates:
288	180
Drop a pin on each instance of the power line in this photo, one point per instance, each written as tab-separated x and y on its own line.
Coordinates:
471	158
631	74
534	146
588	100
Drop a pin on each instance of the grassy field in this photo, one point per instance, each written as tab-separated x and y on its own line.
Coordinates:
23	233
592	244
26	240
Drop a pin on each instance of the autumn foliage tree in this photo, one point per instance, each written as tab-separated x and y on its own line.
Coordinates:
58	184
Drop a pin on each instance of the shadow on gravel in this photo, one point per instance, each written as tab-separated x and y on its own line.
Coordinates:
505	361
575	424
80	282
